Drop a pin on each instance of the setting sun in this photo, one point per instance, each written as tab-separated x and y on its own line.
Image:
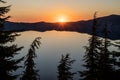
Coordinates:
62	19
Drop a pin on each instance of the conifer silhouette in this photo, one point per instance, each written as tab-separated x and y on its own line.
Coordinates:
92	55
30	73
64	68
7	52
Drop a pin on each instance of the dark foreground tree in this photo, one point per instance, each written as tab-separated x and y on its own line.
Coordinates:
30	73
116	60
3	11
100	62
8	63
92	55
105	70
64	68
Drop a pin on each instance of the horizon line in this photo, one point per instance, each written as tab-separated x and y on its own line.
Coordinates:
60	22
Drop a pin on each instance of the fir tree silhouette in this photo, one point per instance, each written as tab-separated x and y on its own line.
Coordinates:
116	60
64	68
99	60
7	62
105	69
92	55
30	73
3	11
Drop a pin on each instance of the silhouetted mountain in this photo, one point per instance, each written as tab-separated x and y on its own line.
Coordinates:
113	22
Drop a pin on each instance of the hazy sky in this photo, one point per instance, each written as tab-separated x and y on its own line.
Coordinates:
50	10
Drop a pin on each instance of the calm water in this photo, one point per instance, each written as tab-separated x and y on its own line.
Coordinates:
53	45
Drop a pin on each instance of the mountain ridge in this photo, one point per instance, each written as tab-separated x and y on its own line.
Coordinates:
113	22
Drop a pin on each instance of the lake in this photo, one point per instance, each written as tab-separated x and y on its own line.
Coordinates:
53	45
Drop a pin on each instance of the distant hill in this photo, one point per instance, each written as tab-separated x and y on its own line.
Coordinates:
113	22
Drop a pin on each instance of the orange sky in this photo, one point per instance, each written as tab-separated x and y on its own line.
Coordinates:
50	10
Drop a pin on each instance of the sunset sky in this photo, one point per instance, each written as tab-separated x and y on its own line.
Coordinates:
51	10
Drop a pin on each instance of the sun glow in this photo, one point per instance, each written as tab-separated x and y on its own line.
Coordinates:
62	19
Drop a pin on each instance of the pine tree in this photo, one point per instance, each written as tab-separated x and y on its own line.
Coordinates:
3	11
30	73
105	69
64	68
116	60
92	55
7	62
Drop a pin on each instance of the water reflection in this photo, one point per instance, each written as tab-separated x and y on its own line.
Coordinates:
46	66
54	44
